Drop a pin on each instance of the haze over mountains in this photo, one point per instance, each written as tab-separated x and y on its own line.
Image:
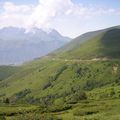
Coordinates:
17	45
82	77
45	75
63	68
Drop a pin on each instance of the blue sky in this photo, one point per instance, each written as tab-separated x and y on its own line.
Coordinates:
69	17
107	3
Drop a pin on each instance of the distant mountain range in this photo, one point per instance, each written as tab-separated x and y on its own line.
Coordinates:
17	45
80	80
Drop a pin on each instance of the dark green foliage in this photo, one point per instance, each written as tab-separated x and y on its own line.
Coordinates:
4	85
2	95
117	81
2	118
91	84
47	100
58	73
47	85
111	41
36	116
7	71
78	72
76	96
6	101
22	94
59	108
82	112
31	100
112	92
81	71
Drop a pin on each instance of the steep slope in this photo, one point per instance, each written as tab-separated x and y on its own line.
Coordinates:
78	41
49	79
100	44
7	71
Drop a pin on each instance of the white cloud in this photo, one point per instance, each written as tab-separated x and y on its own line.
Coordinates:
12	8
41	15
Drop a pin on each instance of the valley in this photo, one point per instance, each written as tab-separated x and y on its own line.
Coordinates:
80	81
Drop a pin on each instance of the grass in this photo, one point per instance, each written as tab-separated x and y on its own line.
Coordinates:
66	90
7	71
75	76
94	110
85	110
104	44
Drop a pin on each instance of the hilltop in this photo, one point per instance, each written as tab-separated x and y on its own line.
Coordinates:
99	44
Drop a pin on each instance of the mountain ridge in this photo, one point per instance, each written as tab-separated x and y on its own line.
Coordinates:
81	82
95	43
18	46
36	68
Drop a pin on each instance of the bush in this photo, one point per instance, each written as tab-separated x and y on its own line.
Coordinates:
6	100
58	73
112	92
59	108
47	85
117	81
77	96
2	118
47	100
35	116
59	101
80	71
83	112
22	94
90	84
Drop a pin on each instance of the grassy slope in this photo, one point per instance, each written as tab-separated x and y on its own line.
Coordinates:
78	41
33	75
105	44
62	80
97	73
7	71
88	110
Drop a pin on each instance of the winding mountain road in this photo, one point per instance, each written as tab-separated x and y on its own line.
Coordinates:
80	60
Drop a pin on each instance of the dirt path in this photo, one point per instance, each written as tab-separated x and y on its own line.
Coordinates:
79	60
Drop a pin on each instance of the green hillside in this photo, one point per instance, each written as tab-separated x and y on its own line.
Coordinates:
80	81
7	71
104	43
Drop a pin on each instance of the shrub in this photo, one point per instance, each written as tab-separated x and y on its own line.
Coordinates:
83	112
117	80
2	118
90	84
59	101
47	85
112	92
59	108
80	72
35	116
47	100
22	94
77	96
58	73
6	100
